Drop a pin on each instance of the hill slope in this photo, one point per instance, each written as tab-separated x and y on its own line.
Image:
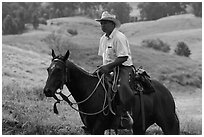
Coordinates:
173	29
166	24
84	44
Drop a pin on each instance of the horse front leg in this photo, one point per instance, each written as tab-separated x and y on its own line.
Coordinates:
98	128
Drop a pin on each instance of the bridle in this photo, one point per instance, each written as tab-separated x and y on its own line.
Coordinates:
66	98
66	71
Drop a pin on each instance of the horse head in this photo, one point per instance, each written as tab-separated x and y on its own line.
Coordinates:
56	74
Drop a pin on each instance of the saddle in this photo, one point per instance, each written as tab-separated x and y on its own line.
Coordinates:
140	81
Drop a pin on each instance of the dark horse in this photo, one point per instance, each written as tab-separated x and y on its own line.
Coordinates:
159	106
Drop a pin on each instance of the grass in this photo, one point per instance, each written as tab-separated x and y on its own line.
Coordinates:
25	110
191	127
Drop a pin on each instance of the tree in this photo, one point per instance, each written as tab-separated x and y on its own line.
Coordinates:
172	8
197	8
66	8
121	10
156	10
7	25
20	13
10	25
58	13
6	9
35	21
91	9
19	25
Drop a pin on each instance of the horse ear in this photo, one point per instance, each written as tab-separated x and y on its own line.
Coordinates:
53	53
66	56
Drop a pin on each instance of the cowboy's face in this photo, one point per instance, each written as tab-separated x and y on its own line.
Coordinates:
107	26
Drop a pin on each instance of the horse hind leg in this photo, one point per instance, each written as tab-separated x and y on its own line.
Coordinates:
169	125
174	127
138	130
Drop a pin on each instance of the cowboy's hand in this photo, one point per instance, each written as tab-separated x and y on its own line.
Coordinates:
104	69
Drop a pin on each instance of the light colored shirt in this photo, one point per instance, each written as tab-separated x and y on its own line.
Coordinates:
115	46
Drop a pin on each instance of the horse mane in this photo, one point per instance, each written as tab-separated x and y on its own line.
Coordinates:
68	62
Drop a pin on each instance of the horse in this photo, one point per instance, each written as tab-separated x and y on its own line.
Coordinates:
87	90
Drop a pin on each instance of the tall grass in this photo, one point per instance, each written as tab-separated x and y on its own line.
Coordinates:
22	109
190	126
26	111
183	77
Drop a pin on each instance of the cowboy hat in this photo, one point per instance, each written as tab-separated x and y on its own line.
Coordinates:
110	17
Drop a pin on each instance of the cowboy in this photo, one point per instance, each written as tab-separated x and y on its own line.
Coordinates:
115	51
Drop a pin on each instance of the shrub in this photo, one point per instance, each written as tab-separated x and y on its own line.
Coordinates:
54	41
72	32
59	42
182	49
156	44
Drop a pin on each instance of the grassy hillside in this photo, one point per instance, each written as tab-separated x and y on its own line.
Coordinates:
166	24
25	57
173	29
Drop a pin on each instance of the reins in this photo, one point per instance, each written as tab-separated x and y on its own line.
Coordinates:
66	98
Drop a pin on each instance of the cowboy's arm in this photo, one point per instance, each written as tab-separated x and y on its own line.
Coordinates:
117	62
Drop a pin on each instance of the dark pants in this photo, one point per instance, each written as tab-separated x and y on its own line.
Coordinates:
125	92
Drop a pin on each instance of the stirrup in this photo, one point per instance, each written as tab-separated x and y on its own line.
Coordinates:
126	121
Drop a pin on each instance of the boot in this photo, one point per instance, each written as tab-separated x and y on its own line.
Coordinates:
126	120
